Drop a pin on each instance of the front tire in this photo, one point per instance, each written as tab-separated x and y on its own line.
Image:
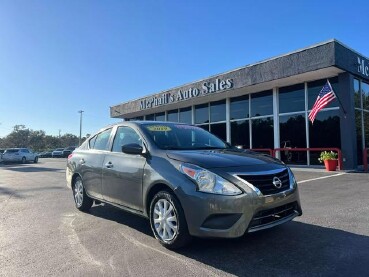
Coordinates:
81	199
168	222
35	160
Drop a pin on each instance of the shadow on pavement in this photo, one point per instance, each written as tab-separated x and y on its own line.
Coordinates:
292	249
10	192
122	217
28	168
19	192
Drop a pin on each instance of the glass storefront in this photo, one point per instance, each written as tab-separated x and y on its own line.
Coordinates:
185	115
361	90
325	132
202	114
292	99
172	116
219	129
262	103
315	87
293	135
239	107
251	119
218	111
262	133
240	133
160	117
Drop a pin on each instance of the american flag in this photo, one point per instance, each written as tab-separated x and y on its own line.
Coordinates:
326	96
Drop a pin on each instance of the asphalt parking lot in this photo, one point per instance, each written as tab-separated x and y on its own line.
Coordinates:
42	233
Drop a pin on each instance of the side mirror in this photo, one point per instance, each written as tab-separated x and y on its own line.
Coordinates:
133	149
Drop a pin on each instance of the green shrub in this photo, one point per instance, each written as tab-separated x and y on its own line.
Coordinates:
325	155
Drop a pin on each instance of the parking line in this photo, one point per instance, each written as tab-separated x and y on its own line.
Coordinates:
319	178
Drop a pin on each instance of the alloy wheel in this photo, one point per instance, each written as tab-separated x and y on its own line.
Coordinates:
78	193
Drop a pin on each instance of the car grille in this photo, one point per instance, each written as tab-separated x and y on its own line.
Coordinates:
264	182
273	215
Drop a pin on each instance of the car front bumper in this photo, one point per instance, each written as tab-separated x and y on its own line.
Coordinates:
233	216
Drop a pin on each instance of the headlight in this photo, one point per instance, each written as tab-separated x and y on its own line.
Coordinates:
208	181
293	183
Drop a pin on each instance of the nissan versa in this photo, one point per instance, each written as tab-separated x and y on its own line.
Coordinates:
185	180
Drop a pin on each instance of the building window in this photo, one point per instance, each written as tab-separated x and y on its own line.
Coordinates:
205	127
160	117
262	103
357	94
366	128
240	133
150	117
220	130
325	132
172	115
365	93
262	133
293	135
185	115
239	107
202	114
315	87
359	135
292	99
218	111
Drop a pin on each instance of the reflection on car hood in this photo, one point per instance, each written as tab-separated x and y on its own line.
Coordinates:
221	158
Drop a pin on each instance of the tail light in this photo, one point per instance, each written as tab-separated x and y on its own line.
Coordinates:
70	156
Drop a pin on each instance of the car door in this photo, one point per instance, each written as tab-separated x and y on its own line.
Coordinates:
26	153
122	173
90	162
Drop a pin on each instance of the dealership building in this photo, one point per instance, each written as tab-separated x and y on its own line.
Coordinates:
266	105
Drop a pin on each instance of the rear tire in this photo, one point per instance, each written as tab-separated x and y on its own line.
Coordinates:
35	160
81	199
24	160
168	221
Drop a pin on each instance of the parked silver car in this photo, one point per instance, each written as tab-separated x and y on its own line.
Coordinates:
57	153
185	180
22	155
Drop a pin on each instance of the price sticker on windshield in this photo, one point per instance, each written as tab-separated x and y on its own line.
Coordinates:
159	128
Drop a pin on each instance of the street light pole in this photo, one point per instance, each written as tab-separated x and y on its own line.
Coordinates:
80	127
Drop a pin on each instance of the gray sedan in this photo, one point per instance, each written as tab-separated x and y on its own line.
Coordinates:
185	180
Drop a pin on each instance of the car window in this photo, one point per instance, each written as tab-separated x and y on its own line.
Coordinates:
25	151
102	140
180	136
124	136
11	150
91	142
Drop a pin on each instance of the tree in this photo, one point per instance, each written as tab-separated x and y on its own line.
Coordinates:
19	137
36	140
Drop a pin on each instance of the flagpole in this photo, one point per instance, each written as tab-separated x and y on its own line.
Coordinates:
339	101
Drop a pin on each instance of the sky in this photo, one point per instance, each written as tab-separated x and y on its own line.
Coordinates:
59	57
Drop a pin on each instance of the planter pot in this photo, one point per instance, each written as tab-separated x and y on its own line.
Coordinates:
330	165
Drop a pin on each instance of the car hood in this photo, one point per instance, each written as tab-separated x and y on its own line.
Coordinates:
222	158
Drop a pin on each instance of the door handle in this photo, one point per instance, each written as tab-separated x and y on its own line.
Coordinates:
82	161
109	165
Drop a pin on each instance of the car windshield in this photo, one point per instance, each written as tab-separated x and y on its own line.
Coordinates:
11	150
182	137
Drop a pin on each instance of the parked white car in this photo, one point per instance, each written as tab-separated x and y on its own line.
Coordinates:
19	155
